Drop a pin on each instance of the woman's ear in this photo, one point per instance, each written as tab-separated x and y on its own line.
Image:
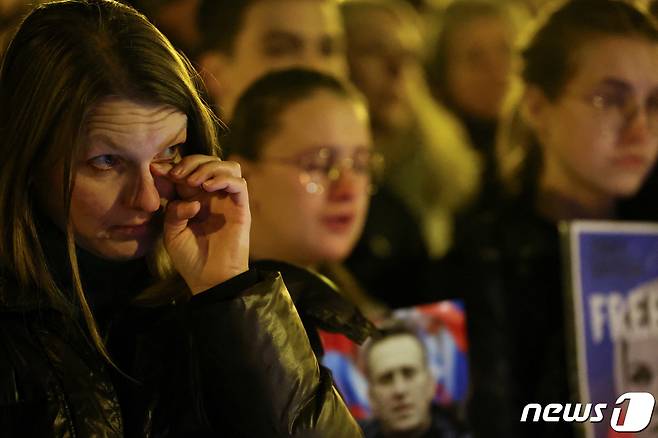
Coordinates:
534	107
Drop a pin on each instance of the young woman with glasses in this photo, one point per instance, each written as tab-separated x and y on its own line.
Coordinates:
583	137
127	307
304	145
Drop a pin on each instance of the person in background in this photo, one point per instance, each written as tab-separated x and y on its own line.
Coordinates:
431	170
243	39
583	137
642	205
11	13
127	307
470	72
177	19
303	141
401	388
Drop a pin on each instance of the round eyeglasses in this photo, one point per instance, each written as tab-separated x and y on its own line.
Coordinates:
320	167
617	108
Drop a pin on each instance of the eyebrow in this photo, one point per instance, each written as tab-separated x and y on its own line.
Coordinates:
281	35
334	38
615	83
109	143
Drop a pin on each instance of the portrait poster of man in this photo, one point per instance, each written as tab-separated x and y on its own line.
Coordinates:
612	272
441	326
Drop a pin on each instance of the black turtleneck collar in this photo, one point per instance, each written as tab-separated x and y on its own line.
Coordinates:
482	132
107	284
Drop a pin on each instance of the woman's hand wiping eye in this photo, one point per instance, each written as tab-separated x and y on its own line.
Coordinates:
206	230
172	154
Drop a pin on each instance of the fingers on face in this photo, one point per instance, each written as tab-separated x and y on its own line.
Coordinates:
236	187
178	214
212	169
161	169
195	167
196	174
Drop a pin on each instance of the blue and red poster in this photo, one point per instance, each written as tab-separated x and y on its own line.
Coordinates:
612	272
441	326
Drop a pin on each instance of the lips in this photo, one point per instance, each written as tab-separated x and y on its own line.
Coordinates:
339	222
631	161
403	409
133	230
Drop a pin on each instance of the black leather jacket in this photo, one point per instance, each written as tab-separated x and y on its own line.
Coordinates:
443	425
232	362
320	305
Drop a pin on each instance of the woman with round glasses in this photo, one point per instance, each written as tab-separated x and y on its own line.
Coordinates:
304	145
303	142
585	136
126	304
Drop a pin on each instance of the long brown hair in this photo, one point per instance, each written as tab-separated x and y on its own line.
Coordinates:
66	57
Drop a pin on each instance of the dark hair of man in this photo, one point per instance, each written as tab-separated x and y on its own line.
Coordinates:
391	329
220	21
258	109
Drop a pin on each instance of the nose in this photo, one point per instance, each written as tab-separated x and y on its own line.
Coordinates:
497	65
394	66
313	59
346	185
144	194
399	385
636	129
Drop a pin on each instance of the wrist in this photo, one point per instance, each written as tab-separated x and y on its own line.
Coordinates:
197	287
229	289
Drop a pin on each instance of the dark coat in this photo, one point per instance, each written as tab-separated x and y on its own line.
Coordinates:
507	265
234	361
443	425
391	260
320	305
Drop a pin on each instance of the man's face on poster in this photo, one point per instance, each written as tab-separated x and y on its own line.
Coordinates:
639	373
401	387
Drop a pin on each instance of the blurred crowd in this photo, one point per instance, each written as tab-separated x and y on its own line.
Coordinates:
415	151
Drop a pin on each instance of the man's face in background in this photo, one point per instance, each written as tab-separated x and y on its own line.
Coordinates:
384	58
277	34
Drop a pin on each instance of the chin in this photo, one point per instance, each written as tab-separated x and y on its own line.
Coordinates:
626	188
408	426
123	251
335	251
399	120
331	255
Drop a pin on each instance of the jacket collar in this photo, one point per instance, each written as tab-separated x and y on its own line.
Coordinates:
318	299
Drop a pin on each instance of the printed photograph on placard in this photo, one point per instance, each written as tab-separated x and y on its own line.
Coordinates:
440	326
612	289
